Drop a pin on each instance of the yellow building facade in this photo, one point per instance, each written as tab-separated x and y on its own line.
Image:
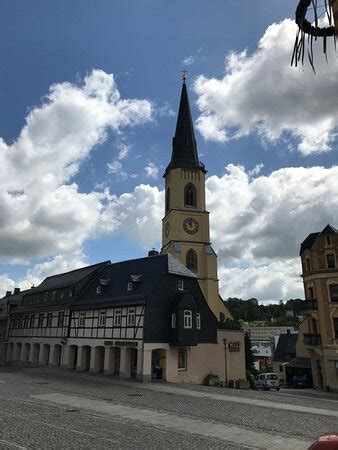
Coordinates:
185	226
319	255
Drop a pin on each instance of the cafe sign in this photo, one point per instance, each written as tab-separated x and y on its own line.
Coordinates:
234	346
121	343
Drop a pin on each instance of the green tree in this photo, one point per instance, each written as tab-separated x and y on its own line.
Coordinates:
249	356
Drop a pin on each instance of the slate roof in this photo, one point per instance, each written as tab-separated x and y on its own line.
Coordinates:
67	279
184	152
286	346
151	269
311	239
303	363
7	304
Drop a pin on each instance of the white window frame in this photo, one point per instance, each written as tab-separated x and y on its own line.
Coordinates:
180	285
61	314
117	317
82	319
131	317
102	319
187	319
198	321
98	289
184	366
173	320
129	286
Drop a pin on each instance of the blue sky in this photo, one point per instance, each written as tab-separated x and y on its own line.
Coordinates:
144	44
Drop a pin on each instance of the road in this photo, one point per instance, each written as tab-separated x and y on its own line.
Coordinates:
44	408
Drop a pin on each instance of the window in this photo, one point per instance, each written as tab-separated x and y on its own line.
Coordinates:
62	294
22	321
198	321
53	295
117	318
131	317
187	319
190	196
98	289
328	240
102	319
61	318
70	292
46	297
280	368
330	261
130	286
333	288
173	320
180	285
335	327
31	321
167	201
307	265
191	260
26	322
182	359
82	319
40	321
49	320
311	293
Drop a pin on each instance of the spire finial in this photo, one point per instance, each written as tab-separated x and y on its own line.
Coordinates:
184	75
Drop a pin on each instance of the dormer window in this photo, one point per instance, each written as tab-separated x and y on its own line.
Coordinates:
173	320
99	289
330	261
180	285
198	321
130	286
187	319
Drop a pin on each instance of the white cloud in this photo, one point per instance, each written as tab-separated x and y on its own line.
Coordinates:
188	60
261	93
151	170
114	167
41	212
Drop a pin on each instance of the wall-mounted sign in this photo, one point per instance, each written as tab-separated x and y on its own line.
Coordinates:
121	343
234	346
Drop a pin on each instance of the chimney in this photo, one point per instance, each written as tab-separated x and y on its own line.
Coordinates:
153	252
16	291
8	293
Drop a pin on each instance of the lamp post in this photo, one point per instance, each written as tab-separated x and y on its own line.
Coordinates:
225	361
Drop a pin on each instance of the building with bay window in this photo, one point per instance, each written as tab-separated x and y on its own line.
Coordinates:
319	256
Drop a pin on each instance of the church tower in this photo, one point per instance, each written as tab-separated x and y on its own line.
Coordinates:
185	226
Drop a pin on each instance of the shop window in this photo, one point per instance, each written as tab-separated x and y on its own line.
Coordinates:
330	261
131	317
180	285
61	318
333	288
182	359
82	319
191	260
190	195
117	318
102	319
187	319
173	320
198	321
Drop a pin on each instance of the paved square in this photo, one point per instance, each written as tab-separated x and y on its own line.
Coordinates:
49	408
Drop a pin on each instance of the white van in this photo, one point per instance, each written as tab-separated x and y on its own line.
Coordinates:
267	381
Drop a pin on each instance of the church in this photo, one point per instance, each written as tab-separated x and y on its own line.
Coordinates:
157	317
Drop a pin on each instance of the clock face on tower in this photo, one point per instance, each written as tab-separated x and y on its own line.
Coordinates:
167	229
190	225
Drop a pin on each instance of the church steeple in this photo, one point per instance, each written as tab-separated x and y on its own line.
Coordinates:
184	153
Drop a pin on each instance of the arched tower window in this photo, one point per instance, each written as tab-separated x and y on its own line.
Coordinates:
191	260
190	195
167	201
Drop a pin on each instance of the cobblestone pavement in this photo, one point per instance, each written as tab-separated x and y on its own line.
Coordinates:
48	408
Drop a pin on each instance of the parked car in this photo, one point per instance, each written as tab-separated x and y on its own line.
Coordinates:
328	441
267	381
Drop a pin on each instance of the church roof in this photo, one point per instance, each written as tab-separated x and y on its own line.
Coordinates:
184	152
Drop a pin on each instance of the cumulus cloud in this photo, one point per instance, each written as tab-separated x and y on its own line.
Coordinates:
41	212
261	93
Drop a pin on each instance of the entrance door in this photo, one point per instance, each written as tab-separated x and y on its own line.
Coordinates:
133	362
158	364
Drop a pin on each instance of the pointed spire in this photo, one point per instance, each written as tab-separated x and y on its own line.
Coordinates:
184	152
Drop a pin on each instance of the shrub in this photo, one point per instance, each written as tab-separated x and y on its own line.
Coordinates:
212	380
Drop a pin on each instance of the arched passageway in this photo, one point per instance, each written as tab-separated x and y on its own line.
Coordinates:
133	362
73	356
35	354
57	351
25	353
98	359
85	358
9	354
45	354
114	360
17	351
158	364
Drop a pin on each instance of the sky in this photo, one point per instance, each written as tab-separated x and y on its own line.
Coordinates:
89	93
